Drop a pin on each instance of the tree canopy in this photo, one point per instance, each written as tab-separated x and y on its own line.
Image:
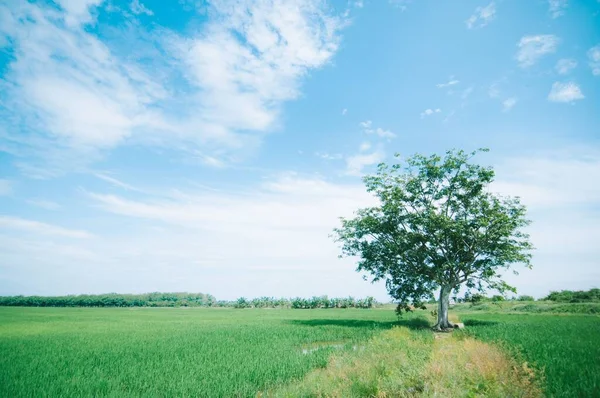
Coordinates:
437	226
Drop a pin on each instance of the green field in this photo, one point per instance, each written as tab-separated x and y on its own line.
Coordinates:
170	352
203	352
565	347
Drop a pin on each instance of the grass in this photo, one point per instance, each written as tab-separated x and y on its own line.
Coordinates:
404	362
72	352
565	349
391	363
532	307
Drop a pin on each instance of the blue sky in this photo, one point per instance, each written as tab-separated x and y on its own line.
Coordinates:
211	146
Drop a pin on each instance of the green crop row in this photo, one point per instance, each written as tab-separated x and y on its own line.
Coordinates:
194	352
565	349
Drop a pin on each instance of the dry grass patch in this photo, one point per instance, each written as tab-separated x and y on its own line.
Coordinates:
464	367
389	366
417	363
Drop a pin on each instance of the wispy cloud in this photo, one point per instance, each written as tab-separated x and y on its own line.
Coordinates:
508	104
482	16
72	90
451	82
78	12
115	182
368	129
138	8
594	59
365	146
562	203
429	112
344	111
402	5
494	90
557	7
41	228
355	164
552	180
6	187
328	156
466	92
44	204
184	238
565	65
532	48
279	204
565	92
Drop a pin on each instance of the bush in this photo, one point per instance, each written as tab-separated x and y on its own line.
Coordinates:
525	298
579	296
242	303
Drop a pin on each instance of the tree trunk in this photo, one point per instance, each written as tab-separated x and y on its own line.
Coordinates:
442	311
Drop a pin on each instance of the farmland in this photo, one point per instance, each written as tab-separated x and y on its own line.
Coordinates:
223	352
170	352
566	347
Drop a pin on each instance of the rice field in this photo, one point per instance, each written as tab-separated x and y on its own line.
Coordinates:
565	349
74	352
208	352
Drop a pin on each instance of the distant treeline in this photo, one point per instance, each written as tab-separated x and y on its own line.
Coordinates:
564	296
578	296
302	303
182	300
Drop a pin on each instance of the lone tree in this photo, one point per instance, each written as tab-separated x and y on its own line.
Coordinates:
437	226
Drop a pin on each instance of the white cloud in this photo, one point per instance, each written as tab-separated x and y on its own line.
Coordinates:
5	187
78	12
594	59
273	236
75	91
368	129
494	90
565	92
565	65
532	48
328	156
466	92
282	202
557	7
382	133
451	82
482	16
365	146
563	205
359	4
429	112
115	182
17	223
402	5
344	111
139	8
355	164
508	104
44	204
552	180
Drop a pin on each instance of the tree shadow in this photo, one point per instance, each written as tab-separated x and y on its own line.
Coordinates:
477	322
412	323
